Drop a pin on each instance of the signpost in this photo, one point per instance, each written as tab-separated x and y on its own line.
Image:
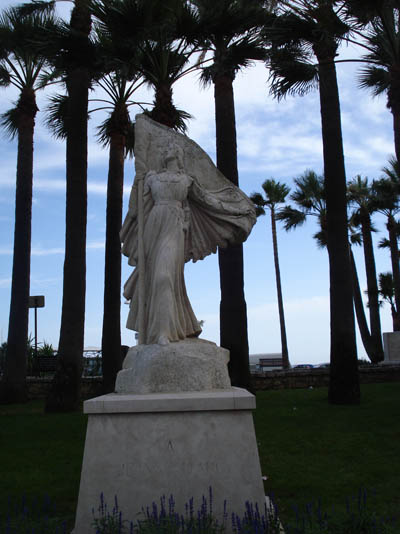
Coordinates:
36	302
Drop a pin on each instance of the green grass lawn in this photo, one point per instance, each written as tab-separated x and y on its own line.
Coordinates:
308	450
41	454
312	450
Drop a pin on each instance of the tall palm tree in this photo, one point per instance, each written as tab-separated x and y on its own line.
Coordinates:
70	51
303	41
360	196
22	68
116	132
230	32
378	33
275	193
64	394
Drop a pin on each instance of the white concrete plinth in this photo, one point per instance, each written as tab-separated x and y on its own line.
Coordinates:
391	346
140	447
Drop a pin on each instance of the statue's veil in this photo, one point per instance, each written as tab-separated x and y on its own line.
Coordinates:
220	213
150	143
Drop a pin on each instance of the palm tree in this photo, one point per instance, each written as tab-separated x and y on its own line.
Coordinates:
116	132
22	68
387	190
303	40
275	193
360	195
152	37
386	291
230	31
379	34
70	51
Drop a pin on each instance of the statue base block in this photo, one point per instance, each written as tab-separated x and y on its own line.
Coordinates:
141	447
189	365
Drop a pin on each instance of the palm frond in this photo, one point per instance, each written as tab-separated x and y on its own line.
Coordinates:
207	75
289	29
56	115
259	203
321	238
275	192
9	122
5	78
291	72
291	217
36	7
384	243
386	193
392	170
242	52
310	191
386	286
104	130
177	117
364	11
355	238
377	79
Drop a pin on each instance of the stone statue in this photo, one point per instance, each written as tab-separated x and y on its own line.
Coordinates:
187	209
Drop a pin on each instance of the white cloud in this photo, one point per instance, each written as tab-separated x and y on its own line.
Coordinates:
5	283
51	251
38	251
94	245
44	282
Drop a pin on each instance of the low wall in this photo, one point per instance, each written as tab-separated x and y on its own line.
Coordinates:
318	377
38	387
295	378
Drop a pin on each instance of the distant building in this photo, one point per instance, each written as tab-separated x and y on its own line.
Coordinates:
265	362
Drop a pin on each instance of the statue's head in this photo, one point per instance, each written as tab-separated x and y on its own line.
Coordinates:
173	157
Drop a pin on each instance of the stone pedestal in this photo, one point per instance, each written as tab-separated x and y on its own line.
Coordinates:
140	447
190	365
391	346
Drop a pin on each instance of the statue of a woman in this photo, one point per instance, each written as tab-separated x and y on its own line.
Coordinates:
183	220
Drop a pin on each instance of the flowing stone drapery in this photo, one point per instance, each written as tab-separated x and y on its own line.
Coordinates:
189	209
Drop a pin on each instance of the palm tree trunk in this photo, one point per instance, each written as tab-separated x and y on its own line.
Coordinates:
373	295
394	106
396	130
64	394
359	307
344	381
285	352
233	312
164	111
111	338
13	386
394	256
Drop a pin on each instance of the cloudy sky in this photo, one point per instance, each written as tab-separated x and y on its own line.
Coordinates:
275	139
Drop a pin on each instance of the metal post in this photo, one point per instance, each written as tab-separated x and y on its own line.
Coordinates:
35	331
36	302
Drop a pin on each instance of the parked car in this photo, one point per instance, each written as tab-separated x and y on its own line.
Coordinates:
303	366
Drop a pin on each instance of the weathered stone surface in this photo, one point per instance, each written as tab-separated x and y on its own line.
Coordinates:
391	345
189	365
181	208
185	444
